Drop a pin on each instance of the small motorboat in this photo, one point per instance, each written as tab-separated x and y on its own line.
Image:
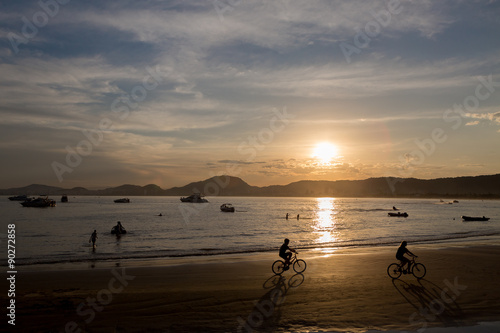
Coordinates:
64	198
122	200
195	197
398	214
475	218
39	202
442	202
227	207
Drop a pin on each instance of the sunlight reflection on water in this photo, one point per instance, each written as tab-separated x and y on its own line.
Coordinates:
324	221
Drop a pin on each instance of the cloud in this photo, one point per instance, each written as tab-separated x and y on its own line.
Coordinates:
472	123
299	167
493	117
268	24
474	165
239	162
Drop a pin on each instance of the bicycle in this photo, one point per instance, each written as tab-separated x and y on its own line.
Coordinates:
299	265
417	269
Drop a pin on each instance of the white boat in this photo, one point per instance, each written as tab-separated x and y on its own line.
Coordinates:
227	207
195	197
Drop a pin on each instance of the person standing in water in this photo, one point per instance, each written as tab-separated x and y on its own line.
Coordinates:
119	227
93	238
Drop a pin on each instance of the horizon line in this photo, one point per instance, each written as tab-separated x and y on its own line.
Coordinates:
207	179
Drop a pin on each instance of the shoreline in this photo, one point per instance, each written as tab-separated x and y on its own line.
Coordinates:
343	290
156	261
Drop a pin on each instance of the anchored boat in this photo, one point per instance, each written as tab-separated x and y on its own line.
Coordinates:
227	207
398	214
195	197
475	218
39	202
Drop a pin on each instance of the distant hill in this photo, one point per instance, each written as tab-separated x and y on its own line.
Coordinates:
458	187
132	190
215	186
37	189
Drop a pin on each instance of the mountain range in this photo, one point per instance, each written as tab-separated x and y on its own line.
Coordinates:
487	186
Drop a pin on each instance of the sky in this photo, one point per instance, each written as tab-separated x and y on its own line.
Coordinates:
104	93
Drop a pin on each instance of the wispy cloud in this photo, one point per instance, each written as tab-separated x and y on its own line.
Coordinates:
472	123
493	117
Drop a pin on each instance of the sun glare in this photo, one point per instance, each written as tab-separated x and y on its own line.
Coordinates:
325	152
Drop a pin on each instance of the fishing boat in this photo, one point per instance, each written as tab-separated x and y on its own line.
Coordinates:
475	218
398	214
39	202
195	197
227	207
122	200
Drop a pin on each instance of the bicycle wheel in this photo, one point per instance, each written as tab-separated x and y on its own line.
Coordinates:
299	266
394	271
278	267
418	270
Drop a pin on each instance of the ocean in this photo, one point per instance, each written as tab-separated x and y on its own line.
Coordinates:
60	235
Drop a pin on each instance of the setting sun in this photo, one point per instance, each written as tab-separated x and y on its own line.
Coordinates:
325	152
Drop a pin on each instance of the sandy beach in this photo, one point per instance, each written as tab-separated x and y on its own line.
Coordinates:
344	291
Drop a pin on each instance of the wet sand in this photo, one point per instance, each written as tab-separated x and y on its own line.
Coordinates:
342	291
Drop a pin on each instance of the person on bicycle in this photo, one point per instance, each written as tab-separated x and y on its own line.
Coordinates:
284	254
400	255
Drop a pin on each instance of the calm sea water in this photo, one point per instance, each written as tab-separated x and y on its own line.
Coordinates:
61	234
